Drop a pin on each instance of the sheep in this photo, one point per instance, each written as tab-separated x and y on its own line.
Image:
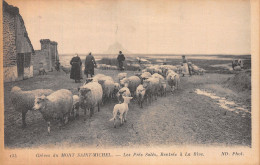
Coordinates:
173	80
120	76
57	105
201	71
98	77
169	72
146	75
121	110
107	84
90	95
108	87
132	83
152	87
65	69
76	105
24	100
140	93
123	92
42	71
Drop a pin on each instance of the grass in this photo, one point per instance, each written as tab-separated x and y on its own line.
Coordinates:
202	63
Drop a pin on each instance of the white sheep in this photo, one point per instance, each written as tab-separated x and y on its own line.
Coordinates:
120	76
145	75
140	93
121	110
23	101
90	95
173	80
57	105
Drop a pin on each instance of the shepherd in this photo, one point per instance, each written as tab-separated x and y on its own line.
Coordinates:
120	59
90	64
75	68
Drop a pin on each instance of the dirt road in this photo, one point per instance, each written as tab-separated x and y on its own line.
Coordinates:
182	118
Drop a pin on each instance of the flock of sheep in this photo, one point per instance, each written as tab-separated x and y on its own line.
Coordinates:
145	85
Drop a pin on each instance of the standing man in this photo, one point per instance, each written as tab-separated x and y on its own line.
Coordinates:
120	59
90	63
75	63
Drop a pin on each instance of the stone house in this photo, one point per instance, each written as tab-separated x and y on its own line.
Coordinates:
47	56
18	51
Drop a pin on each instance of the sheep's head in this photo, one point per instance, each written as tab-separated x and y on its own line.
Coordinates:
39	102
83	91
116	87
146	83
127	99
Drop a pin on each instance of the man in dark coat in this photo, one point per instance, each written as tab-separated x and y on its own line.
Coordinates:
75	68
90	63
120	59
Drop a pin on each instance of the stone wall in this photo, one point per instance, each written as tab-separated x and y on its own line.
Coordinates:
23	45
9	48
16	45
47	56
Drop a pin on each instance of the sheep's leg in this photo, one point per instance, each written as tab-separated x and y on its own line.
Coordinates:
98	107
23	119
61	121
77	113
141	103
49	127
121	119
124	116
91	111
114	122
85	114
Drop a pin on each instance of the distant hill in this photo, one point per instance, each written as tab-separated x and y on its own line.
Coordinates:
115	48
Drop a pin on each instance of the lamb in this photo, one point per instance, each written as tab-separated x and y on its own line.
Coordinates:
140	93
123	92
90	95
120	76
57	105
173	80
121	110
24	100
65	69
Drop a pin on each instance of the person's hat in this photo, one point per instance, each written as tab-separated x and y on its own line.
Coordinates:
120	51
89	53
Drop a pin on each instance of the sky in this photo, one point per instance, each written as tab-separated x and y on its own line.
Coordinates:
140	26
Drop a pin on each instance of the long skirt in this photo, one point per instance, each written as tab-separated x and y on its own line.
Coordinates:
185	69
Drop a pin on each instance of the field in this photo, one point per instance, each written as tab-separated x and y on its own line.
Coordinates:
185	118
